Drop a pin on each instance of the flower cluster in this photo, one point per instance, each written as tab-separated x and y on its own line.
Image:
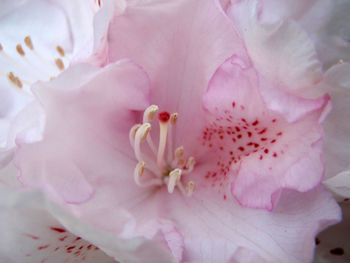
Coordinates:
172	131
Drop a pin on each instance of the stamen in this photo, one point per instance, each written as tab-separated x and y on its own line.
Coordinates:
28	42
340	61
20	50
149	113
132	133
163	118
138	172
14	80
190	188
190	164
174	179
60	51
173	118
59	64
179	152
140	136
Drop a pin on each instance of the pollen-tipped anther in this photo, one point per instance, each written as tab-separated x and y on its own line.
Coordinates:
149	113
179	152
1	48
20	50
14	80
190	163
144	131
173	118
28	42
174	179
60	51
139	169
132	133
59	63
190	188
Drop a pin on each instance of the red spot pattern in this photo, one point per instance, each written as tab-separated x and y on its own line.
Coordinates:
75	248
233	137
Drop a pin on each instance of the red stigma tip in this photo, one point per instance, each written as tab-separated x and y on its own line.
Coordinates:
164	116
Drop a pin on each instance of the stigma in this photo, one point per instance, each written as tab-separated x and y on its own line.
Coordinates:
162	164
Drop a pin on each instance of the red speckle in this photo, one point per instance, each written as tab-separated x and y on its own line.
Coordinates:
57	229
274	155
62	238
164	116
346	199
274	120
225	197
261	157
255	123
237	129
89	247
249	134
233	104
77	239
279	134
263	139
31	236
266	151
231	153
256	145
241	148
244	120
273	141
239	136
262	131
43	247
221	137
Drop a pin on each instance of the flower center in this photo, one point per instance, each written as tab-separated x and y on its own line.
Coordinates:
156	167
30	66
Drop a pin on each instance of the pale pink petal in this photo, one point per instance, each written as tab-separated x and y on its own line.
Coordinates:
262	151
295	65
179	44
69	170
31	234
214	229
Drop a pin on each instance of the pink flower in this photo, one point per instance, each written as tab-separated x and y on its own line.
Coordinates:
225	138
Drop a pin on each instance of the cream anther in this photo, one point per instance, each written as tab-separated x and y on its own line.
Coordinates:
20	50
59	63
132	133
14	80
139	169
138	172
190	163
143	131
173	118
179	152
149	113
190	188
1	48
60	51
28	42
174	179
340	61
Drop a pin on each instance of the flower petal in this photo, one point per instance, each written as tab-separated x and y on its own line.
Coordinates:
214	230
263	151
295	65
30	233
105	123
179	44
